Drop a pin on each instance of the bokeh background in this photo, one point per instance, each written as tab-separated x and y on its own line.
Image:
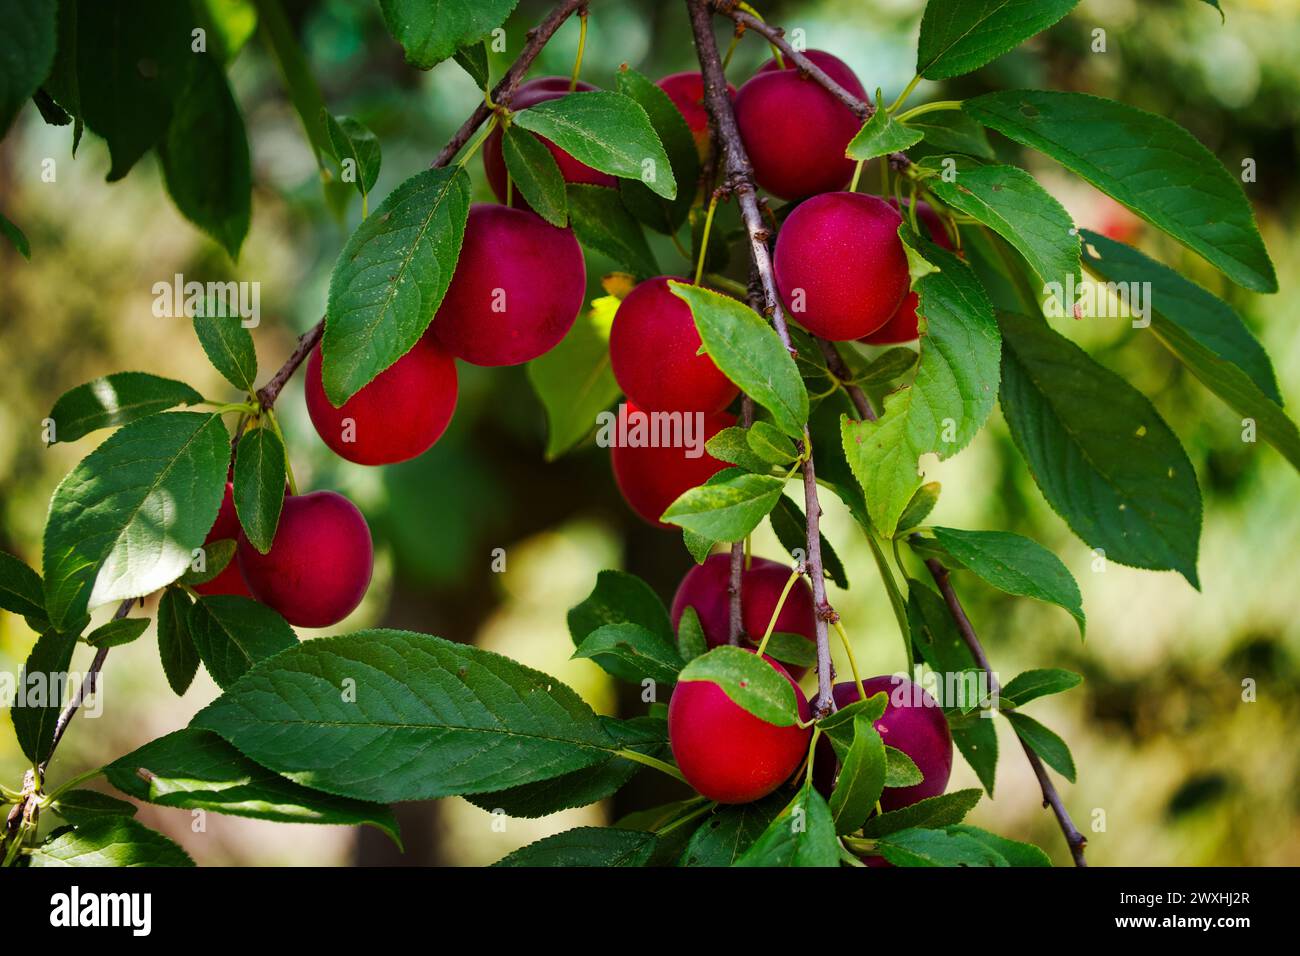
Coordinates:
1175	768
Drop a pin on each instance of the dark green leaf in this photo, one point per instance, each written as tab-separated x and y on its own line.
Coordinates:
1030	685
861	778
602	223
80	807
110	841
392	715
958	36
919	508
950	131
791	529
607	131
42	684
204	157
356	148
197	770
229	347
727	510
259	486
20	588
662	215
117	632
838	726
391	277
431	32
1100	452
729	831
940	811
1045	743
536	175
473	59
115	530
115	399
802	835
216	556
26	53
749	681
15	236
881	135
180	659
1179	187
232	633
747	350
937	848
1013	851
619	598
791	649
691	642
638	650
586	846
1017	565
888	366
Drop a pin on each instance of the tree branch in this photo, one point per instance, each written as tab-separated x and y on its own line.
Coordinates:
1076	840
268	393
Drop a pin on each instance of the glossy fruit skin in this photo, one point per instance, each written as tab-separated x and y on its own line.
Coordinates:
686	90
795	131
840	266
518	286
650	478
320	562
230	580
530	94
913	723
397	416
653	351
902	325
704	588
725	752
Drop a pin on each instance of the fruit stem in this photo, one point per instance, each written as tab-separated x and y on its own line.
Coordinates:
853	664
776	50
649	761
582	45
812	753
902	97
722	282
670	826
288	466
857	174
704	239
924	108
895	596
776	612
478	140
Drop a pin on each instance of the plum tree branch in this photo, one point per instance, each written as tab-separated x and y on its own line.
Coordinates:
1076	840
738	180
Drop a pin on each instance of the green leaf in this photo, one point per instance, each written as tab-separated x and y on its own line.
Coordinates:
390	279
602	223
115	399
232	633
1013	851
888	366
229	347
574	380
180	658
1100	452
80	807
129	106
729	831
802	835
356	148
586	846
197	770
117	632
62	82
791	649
473	58
951	131
838	726
110	841
640	651
732	446
1206	335
747	350
900	769
881	135
919	508
431	32
620	598
728	510
114	529
691	642
767	441
861	778
954	390
1030	685
259	486
536	175
581	788
607	131
751	682
392	715
1147	162
43	678
660	214
1011	203
21	591
791	528
204	157
217	555
26	53
15	236
937	848
1045	743
940	811
958	36
1017	565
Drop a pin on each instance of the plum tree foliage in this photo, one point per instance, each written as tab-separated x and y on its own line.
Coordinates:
751	352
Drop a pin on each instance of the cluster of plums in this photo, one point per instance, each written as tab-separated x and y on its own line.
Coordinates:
731	756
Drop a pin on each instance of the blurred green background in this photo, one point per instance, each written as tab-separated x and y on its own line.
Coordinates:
1175	768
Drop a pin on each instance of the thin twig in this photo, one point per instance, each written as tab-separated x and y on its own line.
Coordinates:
268	393
835	363
1073	837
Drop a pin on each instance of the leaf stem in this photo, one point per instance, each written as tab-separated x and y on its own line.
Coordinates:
647	760
776	611
924	108
704	239
895	596
288	466
857	174
902	97
478	141
64	787
582	45
853	664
